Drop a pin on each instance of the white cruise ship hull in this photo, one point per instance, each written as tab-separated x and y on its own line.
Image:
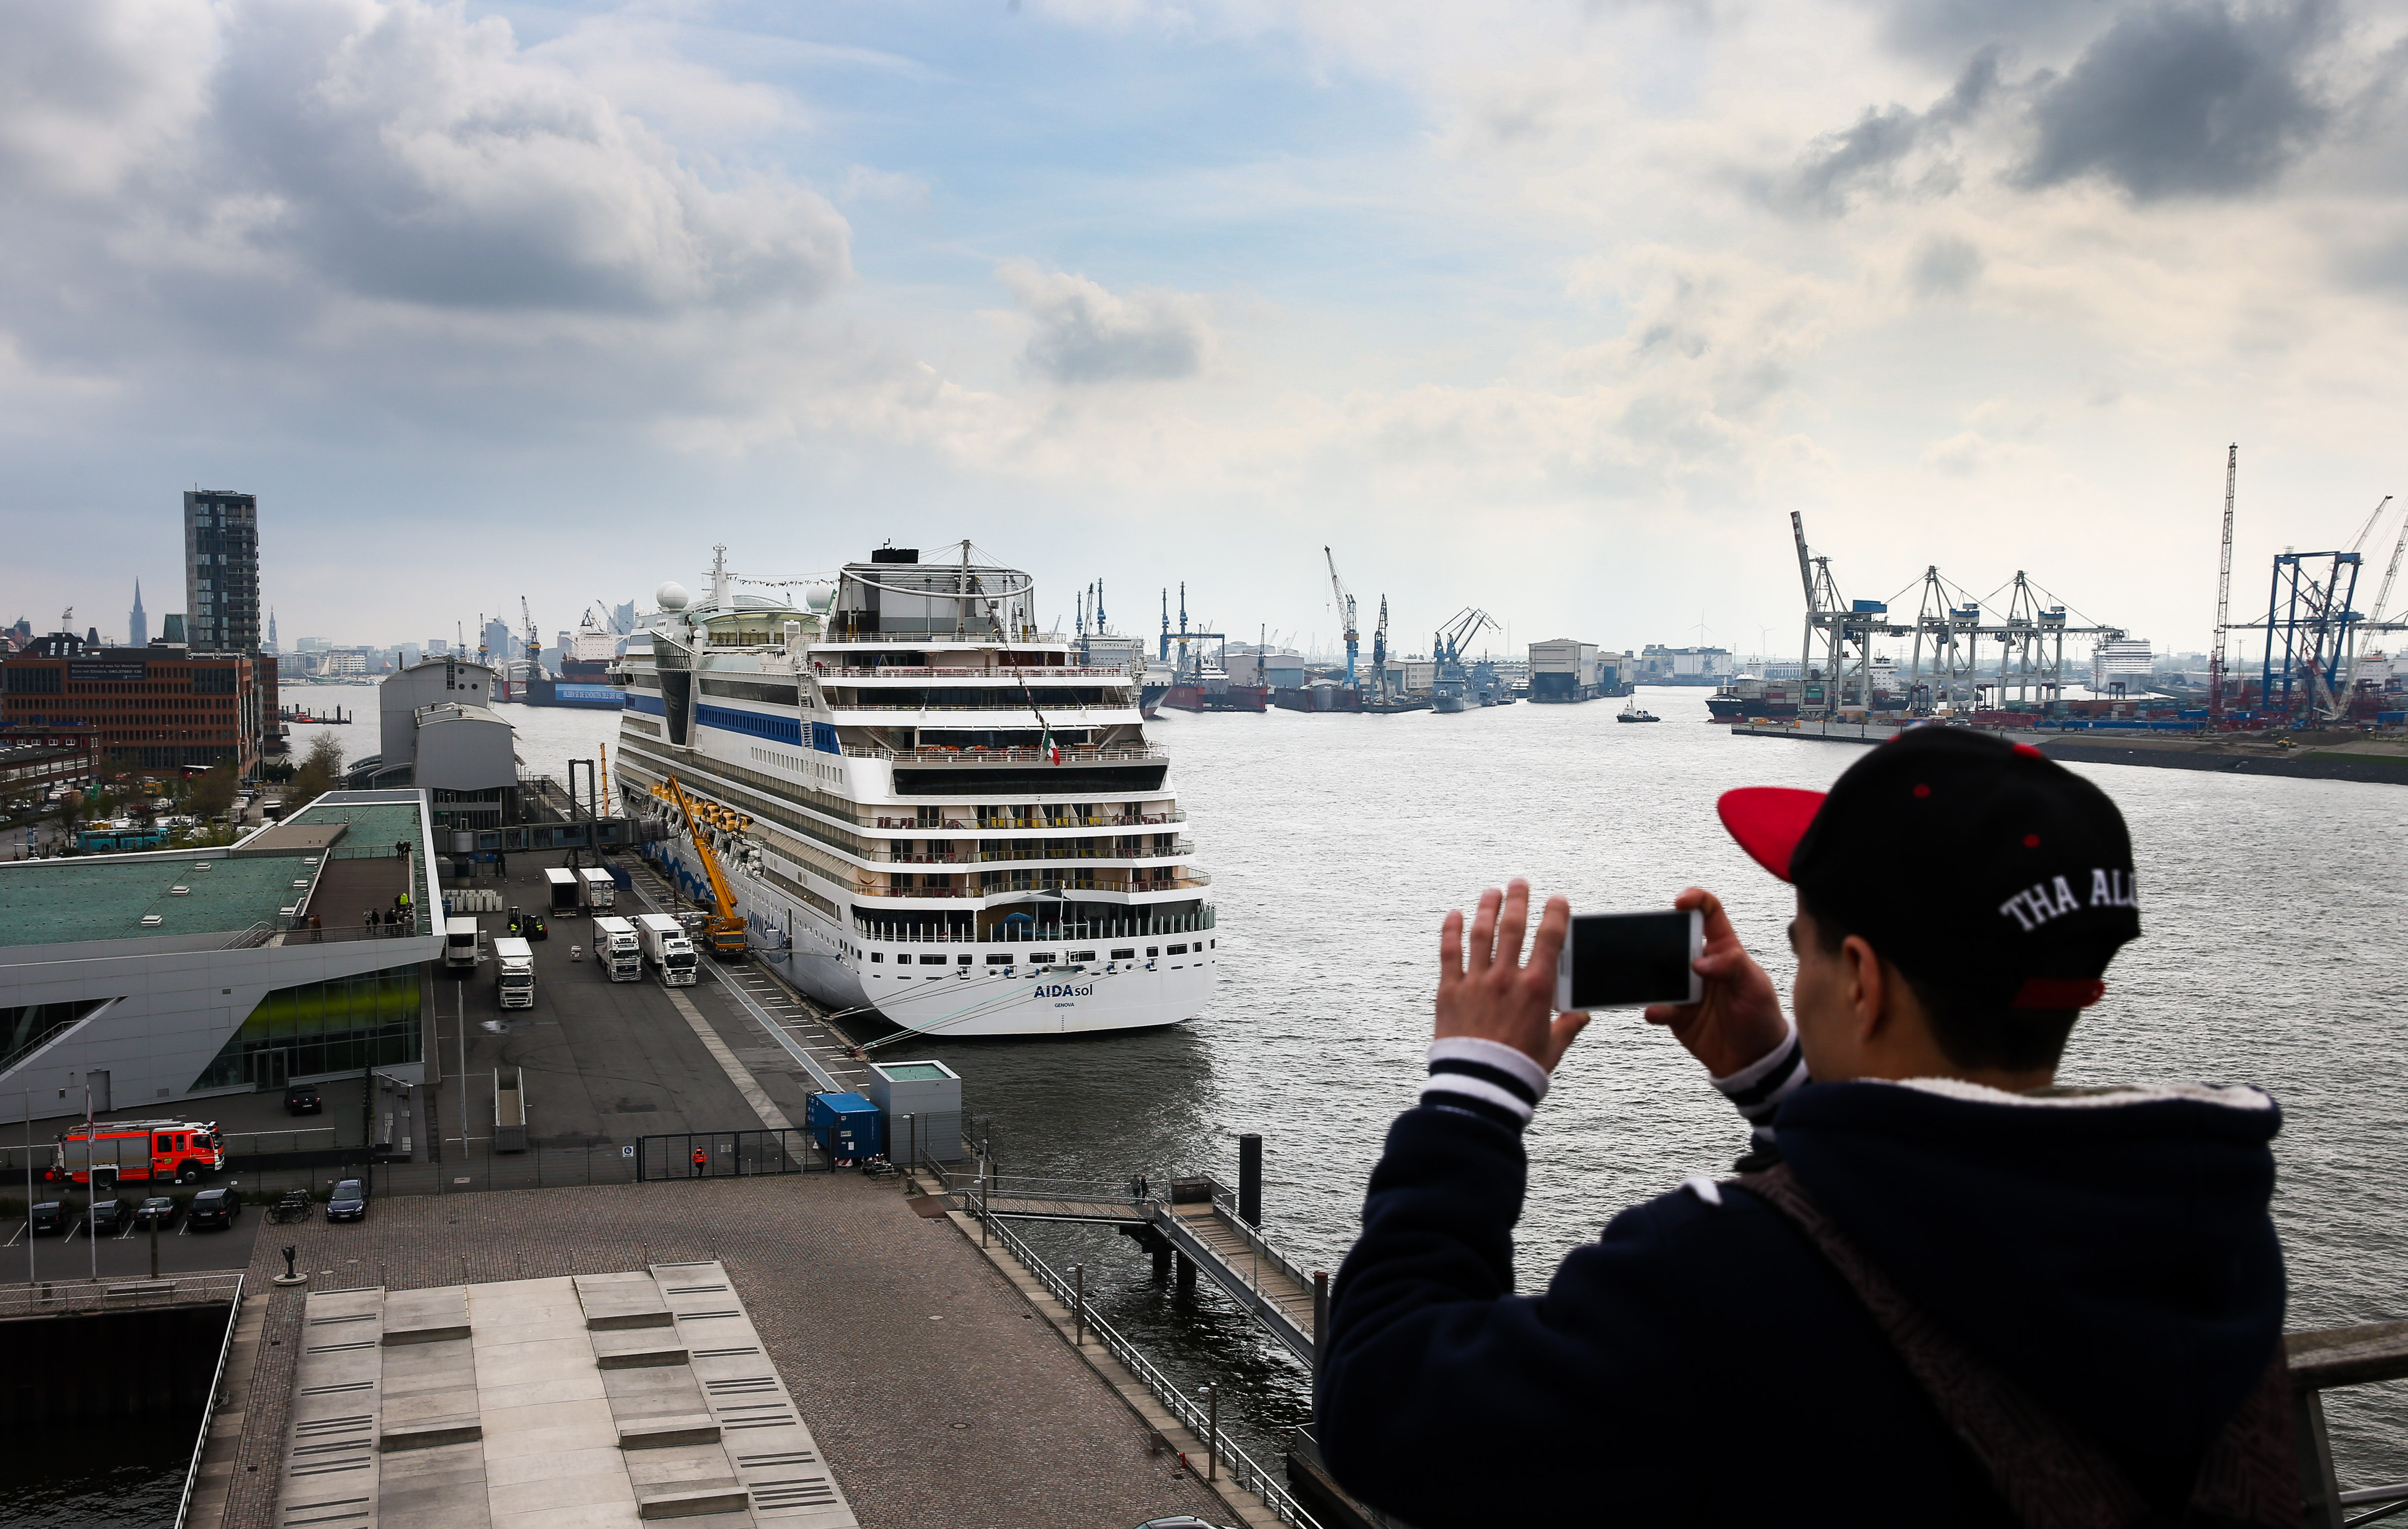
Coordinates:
1016	1000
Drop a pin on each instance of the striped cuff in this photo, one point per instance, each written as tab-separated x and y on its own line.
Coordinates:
1486	1078
1758	1088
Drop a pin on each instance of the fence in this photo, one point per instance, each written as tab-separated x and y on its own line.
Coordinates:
1198	1419
538	1168
49	1297
728	1154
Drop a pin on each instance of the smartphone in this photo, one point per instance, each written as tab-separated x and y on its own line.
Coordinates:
1624	961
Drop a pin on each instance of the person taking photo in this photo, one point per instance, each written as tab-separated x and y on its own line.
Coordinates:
1942	1290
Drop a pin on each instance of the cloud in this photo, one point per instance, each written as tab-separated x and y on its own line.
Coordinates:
1943	266
2191	98
1087	334
1865	157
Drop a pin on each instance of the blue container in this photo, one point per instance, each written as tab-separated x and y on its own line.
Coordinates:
2390	719
845	1125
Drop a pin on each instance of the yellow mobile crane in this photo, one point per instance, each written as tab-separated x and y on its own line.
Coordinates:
723	933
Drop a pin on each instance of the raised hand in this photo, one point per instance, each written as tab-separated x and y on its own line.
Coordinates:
1738	1020
1490	992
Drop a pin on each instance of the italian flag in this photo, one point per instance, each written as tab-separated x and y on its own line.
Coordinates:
1053	750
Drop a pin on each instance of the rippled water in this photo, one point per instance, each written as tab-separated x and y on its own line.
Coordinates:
2273	947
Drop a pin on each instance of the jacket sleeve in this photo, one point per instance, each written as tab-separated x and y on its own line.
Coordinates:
1445	1398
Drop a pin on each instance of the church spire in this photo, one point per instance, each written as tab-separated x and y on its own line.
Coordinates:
138	626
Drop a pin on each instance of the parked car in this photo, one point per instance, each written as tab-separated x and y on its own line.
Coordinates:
110	1214
157	1211
214	1208
348	1203
49	1216
303	1099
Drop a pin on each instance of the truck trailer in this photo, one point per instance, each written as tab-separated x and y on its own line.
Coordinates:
600	890
669	948
462	938
616	946
514	974
566	891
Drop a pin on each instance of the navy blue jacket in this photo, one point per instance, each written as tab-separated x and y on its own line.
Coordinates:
1703	1363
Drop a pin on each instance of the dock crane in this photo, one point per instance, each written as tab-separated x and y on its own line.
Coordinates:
2222	589
1380	650
534	644
2349	676
723	930
1345	613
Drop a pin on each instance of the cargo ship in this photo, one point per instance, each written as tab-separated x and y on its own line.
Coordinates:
584	674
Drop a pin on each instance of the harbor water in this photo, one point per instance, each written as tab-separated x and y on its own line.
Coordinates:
2275	938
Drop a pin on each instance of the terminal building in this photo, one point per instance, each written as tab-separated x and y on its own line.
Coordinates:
163	706
436	731
179	975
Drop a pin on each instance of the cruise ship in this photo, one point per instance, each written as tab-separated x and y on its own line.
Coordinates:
930	807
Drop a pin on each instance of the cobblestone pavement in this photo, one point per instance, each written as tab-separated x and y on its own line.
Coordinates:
940	1401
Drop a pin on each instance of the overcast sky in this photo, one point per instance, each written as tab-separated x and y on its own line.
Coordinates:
1555	309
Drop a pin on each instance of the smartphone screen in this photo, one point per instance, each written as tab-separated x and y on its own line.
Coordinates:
1624	960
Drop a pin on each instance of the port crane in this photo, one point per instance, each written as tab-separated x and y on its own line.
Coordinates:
1380	650
2222	589
723	930
1461	628
1345	613
2383	599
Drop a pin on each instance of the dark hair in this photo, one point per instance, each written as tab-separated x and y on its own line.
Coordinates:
1970	1030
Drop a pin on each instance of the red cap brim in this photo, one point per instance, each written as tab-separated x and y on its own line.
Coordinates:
1767	821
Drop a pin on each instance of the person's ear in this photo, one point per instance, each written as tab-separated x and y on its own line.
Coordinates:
1867	988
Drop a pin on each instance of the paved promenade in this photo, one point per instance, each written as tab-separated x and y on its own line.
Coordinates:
941	1401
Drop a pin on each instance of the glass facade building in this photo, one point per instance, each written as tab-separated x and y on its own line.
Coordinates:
338	1026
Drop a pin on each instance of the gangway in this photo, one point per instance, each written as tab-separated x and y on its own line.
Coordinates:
1195	1219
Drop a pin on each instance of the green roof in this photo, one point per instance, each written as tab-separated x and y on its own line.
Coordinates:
106	897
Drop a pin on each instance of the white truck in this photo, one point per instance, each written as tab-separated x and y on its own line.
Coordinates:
667	947
600	892
617	948
514	973
461	940
565	890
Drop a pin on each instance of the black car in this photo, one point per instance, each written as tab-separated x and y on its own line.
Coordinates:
110	1214
348	1203
213	1208
49	1216
157	1211
302	1099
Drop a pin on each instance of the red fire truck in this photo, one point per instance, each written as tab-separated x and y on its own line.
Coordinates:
140	1149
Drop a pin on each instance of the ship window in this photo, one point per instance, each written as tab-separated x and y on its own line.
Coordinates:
1151	952
1039	957
999	960
1128	955
965	961
932	961
1215	943
1083	954
878	955
1178	950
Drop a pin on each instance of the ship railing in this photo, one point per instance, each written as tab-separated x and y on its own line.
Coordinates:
1034	672
994	825
974	755
987	857
1170	925
1018	643
1096	884
1012	705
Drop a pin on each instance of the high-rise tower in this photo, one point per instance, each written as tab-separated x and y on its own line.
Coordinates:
138	626
221	570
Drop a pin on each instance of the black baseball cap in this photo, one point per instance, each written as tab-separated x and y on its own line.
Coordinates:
1978	865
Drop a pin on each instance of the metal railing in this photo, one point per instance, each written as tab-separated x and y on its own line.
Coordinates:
1130	928
991	857
45	1038
906	671
1239	1467
210	1408
1184	882
48	1297
1000	824
973	755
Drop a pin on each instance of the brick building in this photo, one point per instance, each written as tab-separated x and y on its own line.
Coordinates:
160	707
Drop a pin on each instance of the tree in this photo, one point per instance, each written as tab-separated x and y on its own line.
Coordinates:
318	772
213	793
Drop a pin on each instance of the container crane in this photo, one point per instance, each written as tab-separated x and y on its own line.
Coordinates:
1345	613
534	644
722	932
2357	649
2222	589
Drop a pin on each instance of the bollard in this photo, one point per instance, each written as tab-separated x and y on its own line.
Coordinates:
1249	1180
1079	1316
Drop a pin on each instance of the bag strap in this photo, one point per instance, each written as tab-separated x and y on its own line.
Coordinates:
2051	1477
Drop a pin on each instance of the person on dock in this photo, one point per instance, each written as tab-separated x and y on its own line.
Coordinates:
1942	1289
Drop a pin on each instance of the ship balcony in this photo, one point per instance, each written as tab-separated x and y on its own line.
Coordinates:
1011	883
1180	850
975	755
1038	674
1065	713
1068	820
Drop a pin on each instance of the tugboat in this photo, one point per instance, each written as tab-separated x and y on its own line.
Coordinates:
1632	711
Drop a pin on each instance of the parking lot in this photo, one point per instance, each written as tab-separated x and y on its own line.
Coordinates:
125	1253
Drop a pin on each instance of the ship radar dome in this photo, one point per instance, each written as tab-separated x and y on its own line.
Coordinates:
672	596
816	596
